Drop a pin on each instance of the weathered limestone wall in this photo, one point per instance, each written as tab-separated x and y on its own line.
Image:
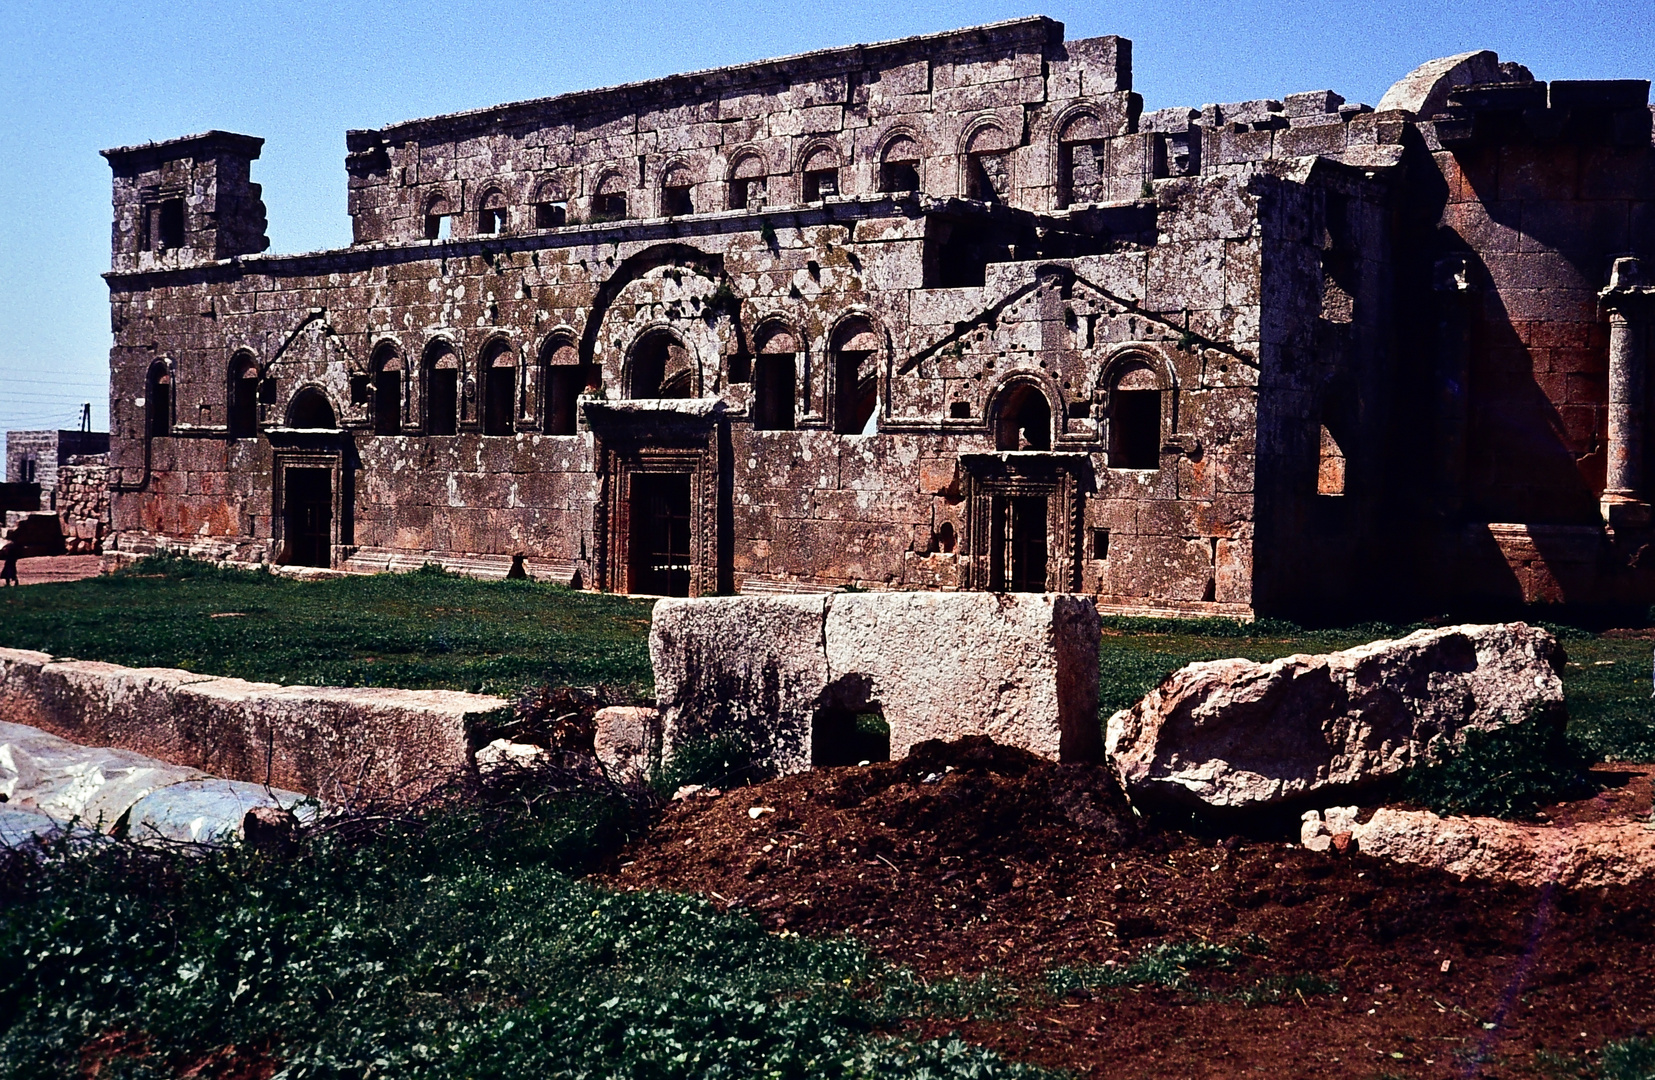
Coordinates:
778	670
339	744
1374	338
964	107
83	504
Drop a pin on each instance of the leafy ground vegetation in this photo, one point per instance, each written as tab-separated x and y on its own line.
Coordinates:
967	912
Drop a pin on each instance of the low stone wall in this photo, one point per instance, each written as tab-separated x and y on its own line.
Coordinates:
83	504
1020	667
339	744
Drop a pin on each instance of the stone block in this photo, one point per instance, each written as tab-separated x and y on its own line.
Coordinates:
340	744
1019	667
1235	734
627	741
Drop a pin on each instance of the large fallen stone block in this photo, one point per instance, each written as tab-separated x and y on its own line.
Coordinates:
789	674
1235	733
339	744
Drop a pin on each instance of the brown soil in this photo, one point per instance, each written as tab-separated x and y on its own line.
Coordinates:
973	858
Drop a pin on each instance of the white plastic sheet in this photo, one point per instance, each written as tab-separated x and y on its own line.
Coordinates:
43	776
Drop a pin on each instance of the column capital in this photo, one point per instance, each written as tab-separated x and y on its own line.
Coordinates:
1630	294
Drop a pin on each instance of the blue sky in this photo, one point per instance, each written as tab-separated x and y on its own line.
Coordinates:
78	77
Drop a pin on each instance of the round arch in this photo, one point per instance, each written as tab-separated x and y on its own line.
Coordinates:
159	398
311	407
564	378
241	396
660	364
1022	413
497	364
1140	391
855	349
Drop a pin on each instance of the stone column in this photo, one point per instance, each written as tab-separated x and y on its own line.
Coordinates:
1627	301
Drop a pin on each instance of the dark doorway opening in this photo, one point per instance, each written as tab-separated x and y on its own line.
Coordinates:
563	387
244	405
1018	555
442	402
660	541
775	386
308	516
388	403
856	396
499	399
849	736
1135	429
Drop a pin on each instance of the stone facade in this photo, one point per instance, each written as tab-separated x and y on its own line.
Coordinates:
950	312
35	457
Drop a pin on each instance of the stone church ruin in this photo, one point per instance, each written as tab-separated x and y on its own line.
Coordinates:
945	313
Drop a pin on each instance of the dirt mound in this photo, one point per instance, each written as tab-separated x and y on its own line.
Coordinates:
971	858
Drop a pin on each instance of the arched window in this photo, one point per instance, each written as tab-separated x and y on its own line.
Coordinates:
158	400
439	219
661	367
821	174
988	165
609	202
499	369
899	165
855	378
387	372
747	183
311	409
1023	418
1135	418
775	379
551	205
566	377
676	186
242	397
442	389
491	214
1081	169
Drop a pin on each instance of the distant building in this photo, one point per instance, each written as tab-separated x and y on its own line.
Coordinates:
952	312
33	457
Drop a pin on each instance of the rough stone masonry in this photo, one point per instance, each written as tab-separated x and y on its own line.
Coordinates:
946	313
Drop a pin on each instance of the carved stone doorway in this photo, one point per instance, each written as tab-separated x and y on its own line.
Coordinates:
307	515
1022	514
659	551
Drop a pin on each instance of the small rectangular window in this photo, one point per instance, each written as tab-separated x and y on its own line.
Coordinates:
550	215
439	226
821	184
361	389
609	207
959	410
1100	544
171	224
492	221
675	202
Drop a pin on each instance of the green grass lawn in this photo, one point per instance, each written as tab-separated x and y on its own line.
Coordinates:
433	629
422	630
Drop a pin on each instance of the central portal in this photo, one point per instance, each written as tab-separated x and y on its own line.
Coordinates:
1019	553
307	516
660	540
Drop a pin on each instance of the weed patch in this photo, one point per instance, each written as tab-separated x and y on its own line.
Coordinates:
452	943
1507	773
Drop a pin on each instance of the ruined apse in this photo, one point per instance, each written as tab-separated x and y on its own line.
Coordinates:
950	312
